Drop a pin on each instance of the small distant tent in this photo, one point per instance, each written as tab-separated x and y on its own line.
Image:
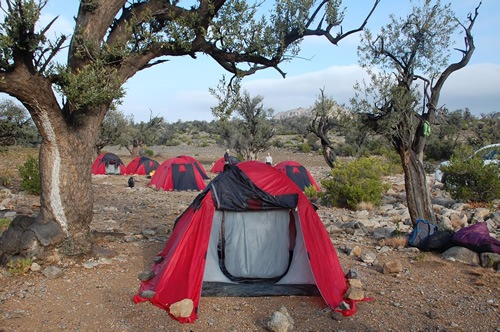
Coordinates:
108	163
251	232
219	164
298	173
197	165
142	166
177	174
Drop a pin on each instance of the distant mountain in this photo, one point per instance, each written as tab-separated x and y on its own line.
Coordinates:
292	113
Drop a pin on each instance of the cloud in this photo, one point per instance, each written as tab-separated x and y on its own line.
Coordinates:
475	87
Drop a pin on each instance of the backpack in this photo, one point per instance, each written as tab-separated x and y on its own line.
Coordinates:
422	230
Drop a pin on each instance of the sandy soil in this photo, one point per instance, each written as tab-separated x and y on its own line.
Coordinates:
133	224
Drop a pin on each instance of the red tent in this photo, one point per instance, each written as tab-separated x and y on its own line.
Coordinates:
177	174
298	173
108	163
197	165
251	223
219	164
142	166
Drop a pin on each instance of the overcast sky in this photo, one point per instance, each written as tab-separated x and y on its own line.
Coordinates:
178	89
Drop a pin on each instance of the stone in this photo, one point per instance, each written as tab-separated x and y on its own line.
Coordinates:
368	257
52	272
281	321
352	274
355	293
146	275
35	267
182	309
356	251
490	259
355	283
461	254
148	294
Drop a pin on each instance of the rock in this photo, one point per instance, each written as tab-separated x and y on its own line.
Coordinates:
481	213
52	272
352	274
490	259
368	257
90	264
355	293
183	308
383	232
148	294
392	267
146	275
35	267
458	220
461	254
356	251
355	283
281	321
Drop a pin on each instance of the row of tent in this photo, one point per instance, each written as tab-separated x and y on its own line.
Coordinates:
185	172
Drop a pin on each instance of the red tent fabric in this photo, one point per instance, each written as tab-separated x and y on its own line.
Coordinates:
297	173
186	262
218	166
220	163
108	163
177	174
142	166
198	165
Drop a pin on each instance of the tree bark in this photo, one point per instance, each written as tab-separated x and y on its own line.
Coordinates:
417	196
65	159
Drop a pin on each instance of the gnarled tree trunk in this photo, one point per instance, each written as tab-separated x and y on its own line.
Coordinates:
417	194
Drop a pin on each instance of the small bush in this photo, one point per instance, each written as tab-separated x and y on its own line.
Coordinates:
30	178
469	180
306	148
354	182
310	192
148	152
4	224
19	266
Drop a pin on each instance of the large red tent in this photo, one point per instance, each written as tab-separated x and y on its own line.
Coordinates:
177	174
251	223
142	166
108	163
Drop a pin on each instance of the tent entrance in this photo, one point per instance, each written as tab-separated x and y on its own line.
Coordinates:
257	253
254	246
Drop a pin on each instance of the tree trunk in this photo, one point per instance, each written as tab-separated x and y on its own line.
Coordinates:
63	222
417	195
328	153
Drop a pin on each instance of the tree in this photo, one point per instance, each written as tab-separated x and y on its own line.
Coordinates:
327	115
111	42
114	129
16	126
251	129
409	63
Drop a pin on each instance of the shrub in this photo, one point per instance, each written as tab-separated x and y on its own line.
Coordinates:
469	179
19	266
30	178
4	224
310	192
306	148
354	182
148	152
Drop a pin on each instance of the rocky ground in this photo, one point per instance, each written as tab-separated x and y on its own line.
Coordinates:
132	225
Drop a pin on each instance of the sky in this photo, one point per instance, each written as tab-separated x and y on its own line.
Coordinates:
179	89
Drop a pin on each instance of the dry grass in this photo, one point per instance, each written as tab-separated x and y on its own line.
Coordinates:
399	241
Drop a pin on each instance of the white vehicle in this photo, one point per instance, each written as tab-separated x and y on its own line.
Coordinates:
489	154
